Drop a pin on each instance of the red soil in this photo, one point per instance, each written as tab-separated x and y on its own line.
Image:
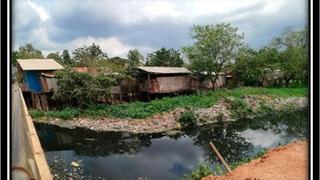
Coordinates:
289	162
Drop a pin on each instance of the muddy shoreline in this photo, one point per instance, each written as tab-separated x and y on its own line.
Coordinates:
167	122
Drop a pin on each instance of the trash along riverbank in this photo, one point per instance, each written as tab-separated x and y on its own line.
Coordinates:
226	109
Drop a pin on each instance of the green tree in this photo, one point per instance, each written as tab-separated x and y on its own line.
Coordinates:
89	55
26	52
248	68
56	56
81	89
215	46
165	57
293	50
66	57
134	59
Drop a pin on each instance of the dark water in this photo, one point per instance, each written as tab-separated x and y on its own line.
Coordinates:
125	156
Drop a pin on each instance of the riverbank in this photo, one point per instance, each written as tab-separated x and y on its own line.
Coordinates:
285	162
226	109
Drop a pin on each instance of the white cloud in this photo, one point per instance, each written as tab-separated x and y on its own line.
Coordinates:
261	138
143	24
40	10
111	45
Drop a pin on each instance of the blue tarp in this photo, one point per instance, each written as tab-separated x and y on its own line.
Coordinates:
33	81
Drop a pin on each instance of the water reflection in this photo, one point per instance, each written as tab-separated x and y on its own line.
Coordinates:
122	155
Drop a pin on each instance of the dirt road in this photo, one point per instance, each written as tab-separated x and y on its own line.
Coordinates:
289	162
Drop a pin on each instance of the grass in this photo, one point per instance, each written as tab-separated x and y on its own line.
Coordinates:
260	153
203	170
146	109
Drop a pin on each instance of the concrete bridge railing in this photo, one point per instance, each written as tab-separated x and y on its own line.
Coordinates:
28	159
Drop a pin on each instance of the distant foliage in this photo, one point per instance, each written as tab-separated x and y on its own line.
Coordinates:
134	59
165	57
214	47
89	55
248	67
26	52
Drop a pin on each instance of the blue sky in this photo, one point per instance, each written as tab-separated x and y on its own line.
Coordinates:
147	25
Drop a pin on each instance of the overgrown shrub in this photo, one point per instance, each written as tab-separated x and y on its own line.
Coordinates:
188	118
200	171
36	113
240	109
80	89
67	113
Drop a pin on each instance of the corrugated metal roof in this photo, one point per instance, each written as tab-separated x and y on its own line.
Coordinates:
39	64
164	70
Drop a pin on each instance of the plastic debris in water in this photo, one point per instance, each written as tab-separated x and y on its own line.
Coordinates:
74	164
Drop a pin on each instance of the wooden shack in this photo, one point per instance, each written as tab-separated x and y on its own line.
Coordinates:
220	82
36	78
157	80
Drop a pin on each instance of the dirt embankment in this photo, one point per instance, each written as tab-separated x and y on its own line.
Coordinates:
168	121
280	163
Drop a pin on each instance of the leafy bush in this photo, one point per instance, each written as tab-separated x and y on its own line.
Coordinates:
36	113
67	113
200	171
240	109
188	118
264	108
80	89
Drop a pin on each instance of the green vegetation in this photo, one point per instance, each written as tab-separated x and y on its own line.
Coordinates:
165	57
248	159
240	109
214	47
200	171
81	89
146	109
188	118
203	170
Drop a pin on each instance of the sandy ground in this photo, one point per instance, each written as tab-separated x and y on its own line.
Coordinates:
289	162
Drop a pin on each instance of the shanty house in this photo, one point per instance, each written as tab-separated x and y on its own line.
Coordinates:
37	74
165	79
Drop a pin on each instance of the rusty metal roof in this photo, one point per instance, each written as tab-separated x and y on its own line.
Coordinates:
39	64
164	70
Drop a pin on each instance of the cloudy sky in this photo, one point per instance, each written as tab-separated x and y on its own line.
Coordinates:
147	25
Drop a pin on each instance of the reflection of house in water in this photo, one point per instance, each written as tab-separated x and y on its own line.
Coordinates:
37	80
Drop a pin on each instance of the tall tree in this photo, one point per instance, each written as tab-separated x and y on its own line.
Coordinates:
134	58
66	57
89	55
165	57
56	56
26	52
248	68
215	46
293	49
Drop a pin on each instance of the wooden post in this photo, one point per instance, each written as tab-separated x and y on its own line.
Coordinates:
120	97
220	157
148	86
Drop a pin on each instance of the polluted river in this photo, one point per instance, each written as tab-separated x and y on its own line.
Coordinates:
85	154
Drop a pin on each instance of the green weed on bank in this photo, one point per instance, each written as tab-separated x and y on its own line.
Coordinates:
137	110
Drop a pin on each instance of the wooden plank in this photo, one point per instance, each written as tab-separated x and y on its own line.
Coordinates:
44	102
220	157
